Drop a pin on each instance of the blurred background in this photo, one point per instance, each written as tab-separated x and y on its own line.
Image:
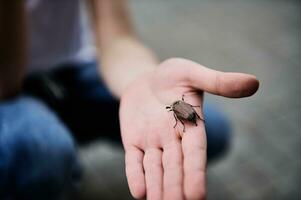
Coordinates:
261	37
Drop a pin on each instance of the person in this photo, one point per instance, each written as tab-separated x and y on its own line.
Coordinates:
51	92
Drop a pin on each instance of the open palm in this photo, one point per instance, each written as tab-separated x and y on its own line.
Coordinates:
163	162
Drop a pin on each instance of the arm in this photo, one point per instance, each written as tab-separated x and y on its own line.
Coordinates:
162	162
123	58
12	47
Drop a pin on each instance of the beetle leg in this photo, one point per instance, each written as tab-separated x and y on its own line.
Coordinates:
195	106
183	97
199	117
183	125
176	120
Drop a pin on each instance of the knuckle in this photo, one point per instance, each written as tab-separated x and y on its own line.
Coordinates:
152	160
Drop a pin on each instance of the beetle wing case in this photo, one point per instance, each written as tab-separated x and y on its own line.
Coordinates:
183	110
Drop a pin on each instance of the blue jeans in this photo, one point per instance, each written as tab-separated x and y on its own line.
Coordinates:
38	133
38	157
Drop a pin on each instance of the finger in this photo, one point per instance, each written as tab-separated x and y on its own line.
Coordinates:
173	171
153	173
134	172
228	84
194	153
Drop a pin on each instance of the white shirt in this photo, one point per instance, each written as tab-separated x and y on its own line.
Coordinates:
58	34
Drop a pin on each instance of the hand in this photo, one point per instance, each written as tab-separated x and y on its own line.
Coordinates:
162	162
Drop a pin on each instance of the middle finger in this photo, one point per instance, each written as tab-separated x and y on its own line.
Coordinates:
153	173
173	171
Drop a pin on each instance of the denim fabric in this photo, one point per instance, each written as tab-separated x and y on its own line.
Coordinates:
38	158
218	131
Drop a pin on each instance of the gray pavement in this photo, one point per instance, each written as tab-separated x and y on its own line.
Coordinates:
262	37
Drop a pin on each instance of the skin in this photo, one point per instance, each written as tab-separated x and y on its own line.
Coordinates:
161	163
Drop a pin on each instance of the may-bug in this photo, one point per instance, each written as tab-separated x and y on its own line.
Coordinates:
184	111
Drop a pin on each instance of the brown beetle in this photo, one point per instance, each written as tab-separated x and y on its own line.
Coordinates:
184	111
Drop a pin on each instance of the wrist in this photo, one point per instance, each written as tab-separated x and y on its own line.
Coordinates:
123	62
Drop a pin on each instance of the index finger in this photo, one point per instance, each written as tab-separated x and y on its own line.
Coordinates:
194	147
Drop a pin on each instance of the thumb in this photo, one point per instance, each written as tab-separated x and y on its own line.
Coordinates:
227	84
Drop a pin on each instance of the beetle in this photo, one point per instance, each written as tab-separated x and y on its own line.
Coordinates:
184	111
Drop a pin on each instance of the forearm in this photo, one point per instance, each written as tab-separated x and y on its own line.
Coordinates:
122	56
12	46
